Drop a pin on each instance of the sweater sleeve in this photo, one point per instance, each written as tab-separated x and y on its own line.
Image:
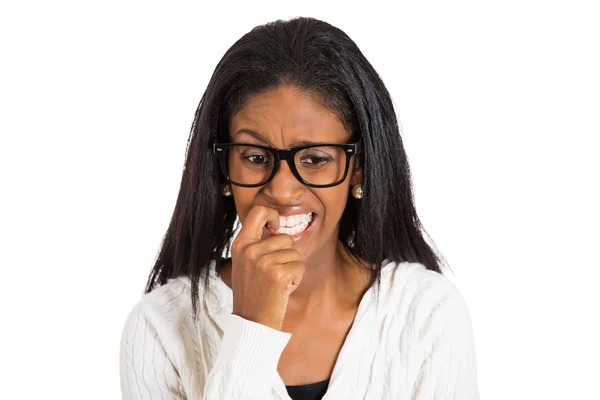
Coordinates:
449	369
146	371
246	365
244	369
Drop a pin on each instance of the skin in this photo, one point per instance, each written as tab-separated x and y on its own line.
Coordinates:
308	286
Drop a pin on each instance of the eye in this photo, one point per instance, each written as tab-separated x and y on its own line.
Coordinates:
256	157
316	157
314	160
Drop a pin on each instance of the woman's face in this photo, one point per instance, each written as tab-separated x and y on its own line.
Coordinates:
283	118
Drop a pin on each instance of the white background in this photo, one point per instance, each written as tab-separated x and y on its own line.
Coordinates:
499	103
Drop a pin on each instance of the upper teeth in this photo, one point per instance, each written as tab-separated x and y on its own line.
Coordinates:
293	220
293	224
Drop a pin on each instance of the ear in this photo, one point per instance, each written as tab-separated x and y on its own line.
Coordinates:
357	171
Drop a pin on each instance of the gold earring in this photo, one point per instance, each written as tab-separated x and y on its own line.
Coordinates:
357	191
226	190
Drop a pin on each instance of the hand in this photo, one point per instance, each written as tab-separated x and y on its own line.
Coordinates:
264	272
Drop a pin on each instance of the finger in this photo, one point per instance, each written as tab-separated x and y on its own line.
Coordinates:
255	221
279	257
257	249
274	243
296	270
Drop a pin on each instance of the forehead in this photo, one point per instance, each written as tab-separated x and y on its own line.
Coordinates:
285	116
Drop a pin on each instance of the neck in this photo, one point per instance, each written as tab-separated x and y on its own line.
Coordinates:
329	281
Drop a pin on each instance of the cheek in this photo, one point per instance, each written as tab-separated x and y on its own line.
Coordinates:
244	200
334	201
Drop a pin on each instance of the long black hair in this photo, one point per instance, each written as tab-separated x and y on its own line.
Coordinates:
325	64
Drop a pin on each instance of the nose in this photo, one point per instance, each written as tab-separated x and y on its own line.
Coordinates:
284	188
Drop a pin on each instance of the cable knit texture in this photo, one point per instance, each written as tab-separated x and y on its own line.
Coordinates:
416	343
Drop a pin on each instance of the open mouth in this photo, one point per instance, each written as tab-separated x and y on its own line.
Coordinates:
294	224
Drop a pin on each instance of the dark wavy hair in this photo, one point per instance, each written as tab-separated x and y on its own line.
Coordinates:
325	64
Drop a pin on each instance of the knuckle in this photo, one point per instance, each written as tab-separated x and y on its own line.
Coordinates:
263	262
279	275
252	252
261	211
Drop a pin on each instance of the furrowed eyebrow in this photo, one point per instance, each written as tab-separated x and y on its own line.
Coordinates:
261	138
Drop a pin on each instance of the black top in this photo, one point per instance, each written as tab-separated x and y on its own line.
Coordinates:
312	391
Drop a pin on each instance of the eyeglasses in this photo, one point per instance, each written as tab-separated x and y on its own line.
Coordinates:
315	165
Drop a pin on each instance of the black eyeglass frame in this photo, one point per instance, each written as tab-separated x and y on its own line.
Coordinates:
350	149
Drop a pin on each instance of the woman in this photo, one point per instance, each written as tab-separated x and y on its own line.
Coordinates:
329	290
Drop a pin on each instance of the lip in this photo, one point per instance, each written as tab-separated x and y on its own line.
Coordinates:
298	236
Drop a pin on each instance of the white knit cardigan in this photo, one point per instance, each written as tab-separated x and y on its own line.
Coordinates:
416	343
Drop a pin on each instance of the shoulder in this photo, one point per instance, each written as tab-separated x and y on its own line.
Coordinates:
427	301
432	330
152	342
159	315
167	304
